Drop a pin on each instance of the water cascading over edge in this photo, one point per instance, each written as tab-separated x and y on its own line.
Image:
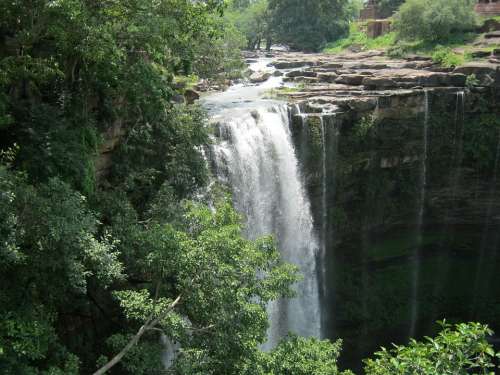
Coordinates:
257	159
420	220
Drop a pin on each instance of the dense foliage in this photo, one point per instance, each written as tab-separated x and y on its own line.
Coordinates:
462	349
434	19
388	7
104	255
309	25
301	25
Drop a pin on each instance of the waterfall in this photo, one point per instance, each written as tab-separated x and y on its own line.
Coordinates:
257	159
486	235
324	213
420	219
170	351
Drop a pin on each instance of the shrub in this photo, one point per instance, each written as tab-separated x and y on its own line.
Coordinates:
460	349
446	57
434	19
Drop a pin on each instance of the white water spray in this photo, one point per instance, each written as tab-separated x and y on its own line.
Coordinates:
257	159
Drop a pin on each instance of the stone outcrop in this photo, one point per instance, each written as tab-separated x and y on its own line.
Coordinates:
258	77
487	74
332	81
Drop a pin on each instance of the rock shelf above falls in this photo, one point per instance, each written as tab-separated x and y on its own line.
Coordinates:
355	83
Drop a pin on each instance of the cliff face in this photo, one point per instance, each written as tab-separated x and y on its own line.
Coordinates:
401	161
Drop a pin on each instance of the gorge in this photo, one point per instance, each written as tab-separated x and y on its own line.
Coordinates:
379	178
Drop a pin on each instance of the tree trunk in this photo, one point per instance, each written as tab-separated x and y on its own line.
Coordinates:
269	44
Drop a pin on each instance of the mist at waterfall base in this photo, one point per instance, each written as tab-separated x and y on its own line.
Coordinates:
383	279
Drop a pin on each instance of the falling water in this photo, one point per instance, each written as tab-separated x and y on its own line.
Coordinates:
456	165
420	219
258	160
324	208
485	241
170	351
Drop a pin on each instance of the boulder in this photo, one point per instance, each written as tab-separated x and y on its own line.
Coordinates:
290	64
301	73
369	65
332	65
350	79
480	53
327	77
259	77
438	79
379	82
278	73
492	34
490	25
191	96
362	104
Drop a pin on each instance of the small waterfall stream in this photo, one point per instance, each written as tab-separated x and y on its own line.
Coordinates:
420	220
324	207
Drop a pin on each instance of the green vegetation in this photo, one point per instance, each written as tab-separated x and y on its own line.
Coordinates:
434	20
443	29
302	25
456	350
105	245
388	7
357	39
309	25
253	21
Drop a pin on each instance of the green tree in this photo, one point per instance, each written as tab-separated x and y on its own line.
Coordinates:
434	20
309	25
209	291
460	349
304	356
388	7
253	19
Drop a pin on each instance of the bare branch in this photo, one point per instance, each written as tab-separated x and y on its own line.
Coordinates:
150	324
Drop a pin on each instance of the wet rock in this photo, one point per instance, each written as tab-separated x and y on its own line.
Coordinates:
443	79
178	99
492	34
362	104
490	25
259	77
278	73
191	96
488	74
332	65
478	54
327	77
301	73
417	58
290	64
375	66
379	83
350	79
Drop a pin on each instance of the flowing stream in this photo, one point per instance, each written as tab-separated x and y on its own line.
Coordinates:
254	155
